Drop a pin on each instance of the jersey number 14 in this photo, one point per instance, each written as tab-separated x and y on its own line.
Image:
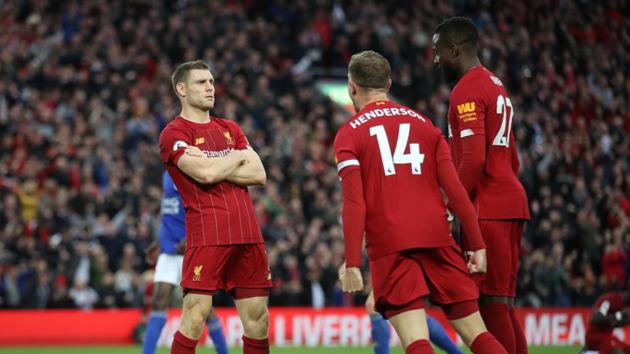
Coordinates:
413	158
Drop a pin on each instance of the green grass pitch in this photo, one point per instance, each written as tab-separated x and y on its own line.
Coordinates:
285	350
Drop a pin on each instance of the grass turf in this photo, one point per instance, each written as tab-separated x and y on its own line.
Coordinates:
285	350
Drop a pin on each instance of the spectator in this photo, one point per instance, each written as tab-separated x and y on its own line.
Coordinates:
84	94
84	297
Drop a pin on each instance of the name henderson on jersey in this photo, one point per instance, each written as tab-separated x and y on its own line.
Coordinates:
385	112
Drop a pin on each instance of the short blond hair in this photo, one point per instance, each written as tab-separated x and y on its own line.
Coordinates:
369	69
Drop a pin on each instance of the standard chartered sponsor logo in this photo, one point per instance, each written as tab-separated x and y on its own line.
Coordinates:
215	153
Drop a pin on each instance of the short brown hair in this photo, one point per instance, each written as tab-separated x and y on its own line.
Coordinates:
181	73
369	69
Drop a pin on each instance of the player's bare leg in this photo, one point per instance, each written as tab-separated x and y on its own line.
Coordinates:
161	296
195	312
469	327
473	332
255	318
160	304
411	327
369	304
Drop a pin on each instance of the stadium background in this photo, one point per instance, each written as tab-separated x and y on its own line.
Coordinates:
85	91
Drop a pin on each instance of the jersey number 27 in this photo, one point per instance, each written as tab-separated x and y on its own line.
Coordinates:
414	157
503	135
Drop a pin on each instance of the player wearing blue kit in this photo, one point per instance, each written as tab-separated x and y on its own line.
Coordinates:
168	270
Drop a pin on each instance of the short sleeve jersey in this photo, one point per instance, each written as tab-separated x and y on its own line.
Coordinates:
216	214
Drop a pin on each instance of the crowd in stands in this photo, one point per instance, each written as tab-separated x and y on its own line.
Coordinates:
85	91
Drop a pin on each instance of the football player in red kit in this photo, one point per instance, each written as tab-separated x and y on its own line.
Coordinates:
610	311
481	117
211	164
393	164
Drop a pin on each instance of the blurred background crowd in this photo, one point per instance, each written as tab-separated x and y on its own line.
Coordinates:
85	91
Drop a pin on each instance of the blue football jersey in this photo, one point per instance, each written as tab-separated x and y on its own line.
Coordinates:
172	228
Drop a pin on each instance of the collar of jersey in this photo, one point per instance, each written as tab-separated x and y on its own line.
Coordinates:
371	105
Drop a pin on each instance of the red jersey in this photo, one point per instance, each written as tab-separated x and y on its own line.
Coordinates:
395	150
480	105
216	214
606	304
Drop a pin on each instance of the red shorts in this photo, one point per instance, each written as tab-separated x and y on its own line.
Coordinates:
503	245
401	280
242	270
604	343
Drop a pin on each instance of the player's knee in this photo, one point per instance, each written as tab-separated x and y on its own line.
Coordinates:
256	324
196	312
197	319
161	296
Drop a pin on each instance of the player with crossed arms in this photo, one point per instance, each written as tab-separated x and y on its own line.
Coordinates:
392	163
480	118
212	163
168	271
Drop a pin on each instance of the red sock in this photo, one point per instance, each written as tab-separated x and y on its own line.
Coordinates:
485	343
499	323
421	346
182	344
519	335
255	346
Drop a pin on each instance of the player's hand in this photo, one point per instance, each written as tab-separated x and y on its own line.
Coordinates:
151	253
342	270
477	262
352	280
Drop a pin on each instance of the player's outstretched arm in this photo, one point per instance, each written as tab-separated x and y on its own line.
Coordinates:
209	170
251	173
